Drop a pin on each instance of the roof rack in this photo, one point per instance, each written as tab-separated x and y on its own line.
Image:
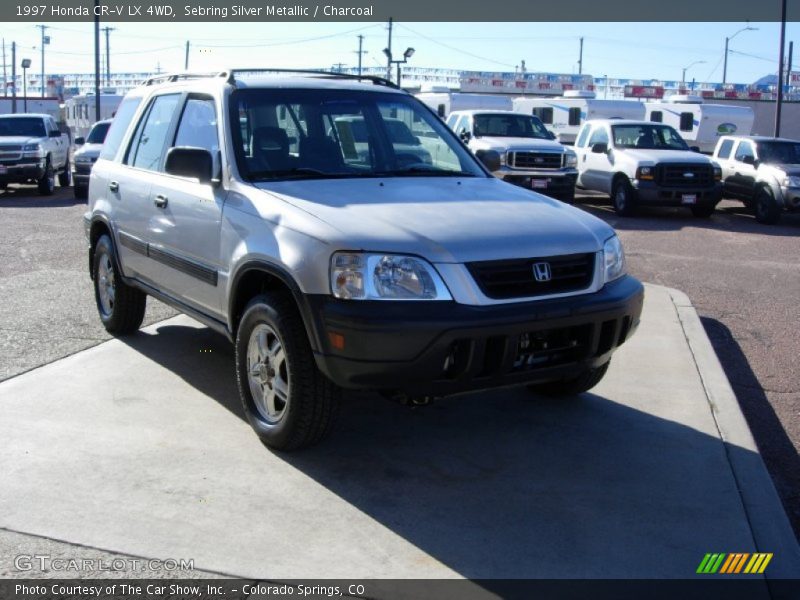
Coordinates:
171	77
231	75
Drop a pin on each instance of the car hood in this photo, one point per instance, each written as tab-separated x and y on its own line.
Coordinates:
788	169
515	144
19	139
91	150
665	156
444	219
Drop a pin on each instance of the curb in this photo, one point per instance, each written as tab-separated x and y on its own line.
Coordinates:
769	524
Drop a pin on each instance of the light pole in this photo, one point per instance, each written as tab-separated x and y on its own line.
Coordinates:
683	77
406	55
26	62
725	61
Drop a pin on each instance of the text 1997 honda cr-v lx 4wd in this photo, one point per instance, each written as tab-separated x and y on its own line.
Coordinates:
237	199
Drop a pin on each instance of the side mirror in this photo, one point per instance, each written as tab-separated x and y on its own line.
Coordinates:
551	135
465	136
600	148
694	148
185	161
79	141
490	159
54	133
749	160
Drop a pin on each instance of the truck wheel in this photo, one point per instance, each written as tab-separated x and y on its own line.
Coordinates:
766	208
47	184
571	387
623	197
121	307
703	211
65	177
287	400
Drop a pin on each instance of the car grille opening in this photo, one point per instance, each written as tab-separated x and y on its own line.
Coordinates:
551	347
504	279
534	160
684	175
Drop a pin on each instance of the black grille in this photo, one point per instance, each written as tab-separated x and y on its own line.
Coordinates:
503	279
685	176
534	160
551	347
15	149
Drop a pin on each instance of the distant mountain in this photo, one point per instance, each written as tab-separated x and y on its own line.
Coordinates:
767	80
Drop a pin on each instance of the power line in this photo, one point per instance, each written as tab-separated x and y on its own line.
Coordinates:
465	52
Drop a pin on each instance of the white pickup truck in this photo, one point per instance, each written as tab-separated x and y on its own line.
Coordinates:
644	163
33	149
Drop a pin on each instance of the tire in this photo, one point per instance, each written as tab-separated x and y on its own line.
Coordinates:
65	177
288	402
47	184
765	207
571	387
120	306
703	211
81	192
624	197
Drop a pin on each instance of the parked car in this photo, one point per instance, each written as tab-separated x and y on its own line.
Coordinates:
33	150
763	172
329	271
642	163
86	155
529	155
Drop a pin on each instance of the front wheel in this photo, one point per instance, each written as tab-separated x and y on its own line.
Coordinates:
65	177
47	184
121	307
571	387
623	197
766	207
287	400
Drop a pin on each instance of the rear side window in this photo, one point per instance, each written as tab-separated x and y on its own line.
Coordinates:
657	116
147	146
725	149
545	114
687	121
575	116
118	127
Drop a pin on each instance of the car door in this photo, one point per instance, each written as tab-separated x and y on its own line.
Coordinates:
581	149
58	144
724	158
184	229
744	171
596	167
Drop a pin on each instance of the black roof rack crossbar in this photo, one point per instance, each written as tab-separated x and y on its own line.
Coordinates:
231	74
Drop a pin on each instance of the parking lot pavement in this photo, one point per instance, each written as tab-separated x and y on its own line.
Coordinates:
138	446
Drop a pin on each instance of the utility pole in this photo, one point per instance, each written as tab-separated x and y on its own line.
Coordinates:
96	60
45	40
389	53
779	99
186	60
13	77
108	30
360	52
5	81
580	59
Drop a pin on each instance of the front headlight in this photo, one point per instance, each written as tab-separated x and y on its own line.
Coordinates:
359	276
613	259
792	181
717	173
33	150
82	158
645	173
571	160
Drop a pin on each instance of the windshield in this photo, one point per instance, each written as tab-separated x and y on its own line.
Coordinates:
498	125
23	126
650	137
787	153
98	133
334	133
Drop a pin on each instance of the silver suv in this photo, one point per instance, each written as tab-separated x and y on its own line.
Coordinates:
340	263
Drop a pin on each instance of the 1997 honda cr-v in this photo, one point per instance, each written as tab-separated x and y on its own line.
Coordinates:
337	263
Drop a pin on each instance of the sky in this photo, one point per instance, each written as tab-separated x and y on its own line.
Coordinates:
628	50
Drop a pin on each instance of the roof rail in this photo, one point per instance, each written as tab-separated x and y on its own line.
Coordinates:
171	77
231	75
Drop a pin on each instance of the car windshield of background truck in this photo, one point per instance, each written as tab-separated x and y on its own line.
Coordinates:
98	133
649	137
28	127
781	153
326	133
509	126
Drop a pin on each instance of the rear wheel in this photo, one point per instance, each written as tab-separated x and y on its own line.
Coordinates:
47	184
766	207
287	400
571	387
623	197
120	306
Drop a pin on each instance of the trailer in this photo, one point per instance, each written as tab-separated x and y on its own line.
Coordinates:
444	101
564	115
80	112
42	106
701	124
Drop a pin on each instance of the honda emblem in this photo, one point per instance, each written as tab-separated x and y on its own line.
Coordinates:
542	272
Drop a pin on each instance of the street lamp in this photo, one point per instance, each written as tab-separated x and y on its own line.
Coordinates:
26	62
725	61
683	77
406	55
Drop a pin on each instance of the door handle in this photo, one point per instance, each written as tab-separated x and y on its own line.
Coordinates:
113	186
160	201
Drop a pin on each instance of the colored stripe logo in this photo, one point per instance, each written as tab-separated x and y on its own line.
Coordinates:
734	563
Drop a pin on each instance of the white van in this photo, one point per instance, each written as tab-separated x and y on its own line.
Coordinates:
565	115
444	101
700	124
79	112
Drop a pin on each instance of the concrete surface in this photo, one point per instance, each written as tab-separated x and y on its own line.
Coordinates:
138	447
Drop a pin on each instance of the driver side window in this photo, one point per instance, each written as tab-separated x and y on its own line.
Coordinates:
743	151
599	136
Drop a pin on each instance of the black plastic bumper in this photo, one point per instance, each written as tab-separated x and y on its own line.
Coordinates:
440	348
555	186
652	194
21	173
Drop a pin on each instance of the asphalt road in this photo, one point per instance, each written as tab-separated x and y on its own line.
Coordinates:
743	278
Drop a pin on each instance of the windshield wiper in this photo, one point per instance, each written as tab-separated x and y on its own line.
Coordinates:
297	173
425	172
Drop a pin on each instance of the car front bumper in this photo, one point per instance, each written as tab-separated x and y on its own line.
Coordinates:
791	198
441	348
81	173
21	172
650	193
558	184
